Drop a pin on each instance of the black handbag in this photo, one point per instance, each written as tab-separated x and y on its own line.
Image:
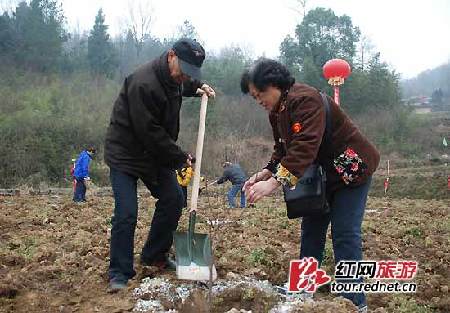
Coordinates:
308	196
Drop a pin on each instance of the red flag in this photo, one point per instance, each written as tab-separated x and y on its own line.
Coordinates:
386	185
386	181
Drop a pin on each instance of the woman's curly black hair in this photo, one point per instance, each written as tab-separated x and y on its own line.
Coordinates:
265	73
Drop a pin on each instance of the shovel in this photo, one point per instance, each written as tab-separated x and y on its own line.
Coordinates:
209	185
193	251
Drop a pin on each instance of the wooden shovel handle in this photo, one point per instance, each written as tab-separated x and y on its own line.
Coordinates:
199	152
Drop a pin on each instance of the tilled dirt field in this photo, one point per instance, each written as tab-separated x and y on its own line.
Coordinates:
54	254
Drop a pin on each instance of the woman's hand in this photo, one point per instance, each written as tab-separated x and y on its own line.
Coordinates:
261	189
265	174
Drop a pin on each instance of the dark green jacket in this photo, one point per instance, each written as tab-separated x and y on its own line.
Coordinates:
145	122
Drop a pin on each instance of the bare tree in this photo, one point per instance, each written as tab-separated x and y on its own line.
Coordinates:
187	30
139	21
299	7
365	49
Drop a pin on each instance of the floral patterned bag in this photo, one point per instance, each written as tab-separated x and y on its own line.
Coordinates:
349	166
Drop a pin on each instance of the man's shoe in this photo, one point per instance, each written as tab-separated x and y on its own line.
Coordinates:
171	265
167	264
302	296
116	285
363	309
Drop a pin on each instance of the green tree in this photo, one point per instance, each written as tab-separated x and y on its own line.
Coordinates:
354	92
312	74
223	71
383	85
36	35
289	55
7	35
101	55
375	88
437	96
321	36
76	53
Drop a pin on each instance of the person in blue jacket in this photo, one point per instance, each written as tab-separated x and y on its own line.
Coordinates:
81	174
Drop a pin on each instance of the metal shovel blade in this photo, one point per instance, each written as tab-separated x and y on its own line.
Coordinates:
193	251
193	254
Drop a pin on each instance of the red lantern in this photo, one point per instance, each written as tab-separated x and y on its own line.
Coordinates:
336	71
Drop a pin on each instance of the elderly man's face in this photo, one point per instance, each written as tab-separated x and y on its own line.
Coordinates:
175	69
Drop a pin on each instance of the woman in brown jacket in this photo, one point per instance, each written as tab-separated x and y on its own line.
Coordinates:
298	120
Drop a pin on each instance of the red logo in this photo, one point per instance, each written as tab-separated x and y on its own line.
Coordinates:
296	128
401	270
305	275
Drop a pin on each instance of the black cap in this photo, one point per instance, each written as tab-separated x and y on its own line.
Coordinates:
190	56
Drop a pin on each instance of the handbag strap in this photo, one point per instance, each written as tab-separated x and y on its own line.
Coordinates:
327	140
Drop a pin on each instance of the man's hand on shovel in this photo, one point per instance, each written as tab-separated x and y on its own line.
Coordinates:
206	89
190	160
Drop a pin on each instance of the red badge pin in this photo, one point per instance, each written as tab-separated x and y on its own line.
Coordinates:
296	128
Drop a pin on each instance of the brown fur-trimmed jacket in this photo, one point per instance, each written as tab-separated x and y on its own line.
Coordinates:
298	124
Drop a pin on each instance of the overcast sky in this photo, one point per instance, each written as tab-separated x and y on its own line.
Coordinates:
412	35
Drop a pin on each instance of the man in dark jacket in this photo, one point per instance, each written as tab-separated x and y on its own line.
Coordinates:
236	175
141	144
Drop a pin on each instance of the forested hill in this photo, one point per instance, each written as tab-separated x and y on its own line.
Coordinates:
429	82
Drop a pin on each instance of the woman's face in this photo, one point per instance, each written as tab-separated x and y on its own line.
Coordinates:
267	98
